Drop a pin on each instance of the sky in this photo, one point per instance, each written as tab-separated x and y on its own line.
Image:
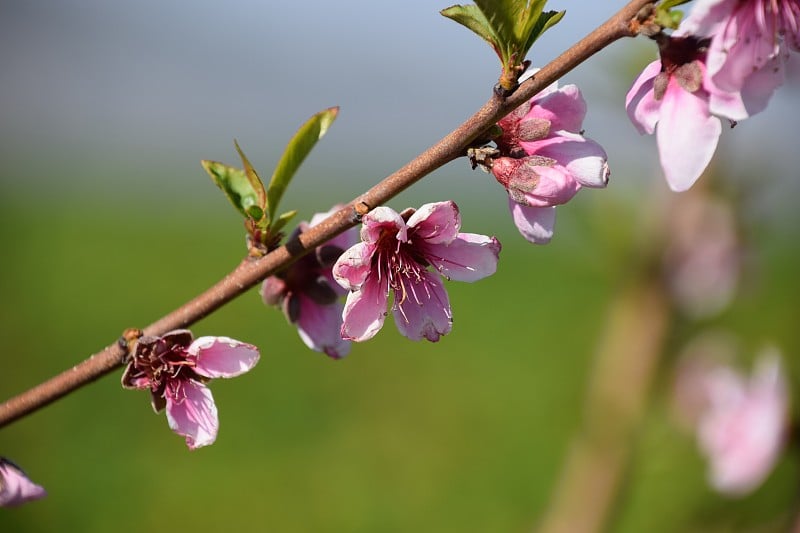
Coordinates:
139	92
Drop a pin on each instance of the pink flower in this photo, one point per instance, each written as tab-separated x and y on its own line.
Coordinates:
175	369
743	429
671	93
750	41
15	487
310	297
545	159
704	255
394	256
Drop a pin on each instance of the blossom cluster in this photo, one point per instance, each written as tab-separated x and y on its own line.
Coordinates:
543	159
725	60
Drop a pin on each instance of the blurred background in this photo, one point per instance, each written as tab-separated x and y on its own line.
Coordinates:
107	221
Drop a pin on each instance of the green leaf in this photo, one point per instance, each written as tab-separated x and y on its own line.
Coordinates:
544	22
255	181
472	18
236	186
295	153
510	26
281	221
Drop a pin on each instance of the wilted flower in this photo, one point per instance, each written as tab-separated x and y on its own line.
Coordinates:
394	256
742	423
15	487
309	296
749	45
545	159
671	93
175	369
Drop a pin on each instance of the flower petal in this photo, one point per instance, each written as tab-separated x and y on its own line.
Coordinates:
222	357
641	104
565	108
320	327
534	223
469	257
191	412
365	310
15	487
354	265
585	159
687	135
424	312
382	219
555	187
437	222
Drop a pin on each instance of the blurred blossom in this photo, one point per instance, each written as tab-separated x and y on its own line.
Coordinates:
703	259
750	44
394	256
176	368
742	422
309	296
544	159
15	487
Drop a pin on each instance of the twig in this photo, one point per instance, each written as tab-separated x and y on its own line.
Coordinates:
249	273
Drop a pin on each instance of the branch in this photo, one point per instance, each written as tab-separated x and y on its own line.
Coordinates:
251	272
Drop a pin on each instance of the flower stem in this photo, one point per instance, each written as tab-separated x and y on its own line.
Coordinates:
250	272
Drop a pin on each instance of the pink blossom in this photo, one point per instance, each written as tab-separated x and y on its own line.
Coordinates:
743	428
545	159
394	256
175	369
15	487
750	42
309	296
704	255
671	94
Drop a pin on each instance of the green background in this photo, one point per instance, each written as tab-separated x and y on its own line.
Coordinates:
107	222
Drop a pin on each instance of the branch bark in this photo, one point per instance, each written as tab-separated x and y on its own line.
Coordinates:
249	273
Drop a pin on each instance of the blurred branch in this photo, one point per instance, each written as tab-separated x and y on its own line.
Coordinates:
626	362
623	24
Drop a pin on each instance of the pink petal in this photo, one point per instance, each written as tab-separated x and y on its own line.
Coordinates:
556	186
320	327
585	159
222	357
191	413
436	223
469	257
354	265
704	18
534	223
687	135
15	487
365	310
744	429
382	219
425	311
565	108
641	104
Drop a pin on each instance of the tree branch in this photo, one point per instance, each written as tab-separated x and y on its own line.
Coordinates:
251	272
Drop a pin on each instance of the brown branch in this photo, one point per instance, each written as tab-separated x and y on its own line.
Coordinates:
249	273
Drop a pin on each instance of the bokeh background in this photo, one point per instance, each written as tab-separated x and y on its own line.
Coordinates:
107	221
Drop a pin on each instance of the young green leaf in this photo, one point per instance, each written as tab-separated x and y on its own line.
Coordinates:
236	186
296	151
472	18
255	181
281	221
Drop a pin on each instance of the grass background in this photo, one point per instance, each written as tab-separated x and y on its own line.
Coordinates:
464	435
